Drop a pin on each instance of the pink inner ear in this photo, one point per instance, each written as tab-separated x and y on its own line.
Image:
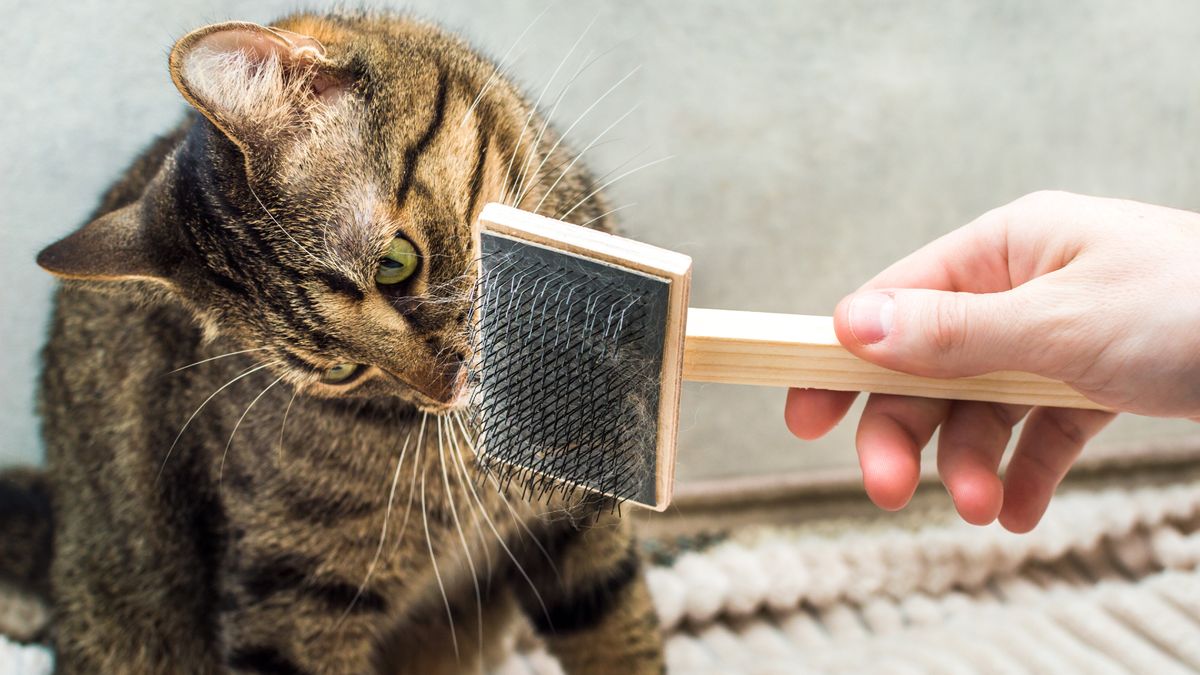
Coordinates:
328	87
260	45
302	45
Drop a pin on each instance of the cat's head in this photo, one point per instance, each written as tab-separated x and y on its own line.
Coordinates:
320	207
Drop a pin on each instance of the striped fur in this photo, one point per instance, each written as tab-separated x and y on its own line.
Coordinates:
220	509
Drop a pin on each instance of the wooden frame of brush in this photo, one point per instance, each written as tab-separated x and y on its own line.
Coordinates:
669	266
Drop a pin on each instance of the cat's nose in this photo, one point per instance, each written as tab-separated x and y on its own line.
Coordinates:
445	381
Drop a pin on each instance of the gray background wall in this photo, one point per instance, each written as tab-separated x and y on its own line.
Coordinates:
812	143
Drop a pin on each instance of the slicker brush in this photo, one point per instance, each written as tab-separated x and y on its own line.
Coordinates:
581	340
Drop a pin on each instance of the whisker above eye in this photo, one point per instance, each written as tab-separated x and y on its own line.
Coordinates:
549	153
557	101
608	213
593	193
579	155
523	177
214	358
533	109
500	65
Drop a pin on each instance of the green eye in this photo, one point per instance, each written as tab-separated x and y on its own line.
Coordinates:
399	263
339	373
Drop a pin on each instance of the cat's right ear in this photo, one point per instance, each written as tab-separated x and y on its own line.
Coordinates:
118	246
254	83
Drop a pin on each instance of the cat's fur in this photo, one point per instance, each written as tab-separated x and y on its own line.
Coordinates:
294	526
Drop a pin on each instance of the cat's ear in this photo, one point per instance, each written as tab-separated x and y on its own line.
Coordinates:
114	247
251	81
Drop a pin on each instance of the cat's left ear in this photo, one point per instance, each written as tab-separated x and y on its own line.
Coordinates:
253	82
118	246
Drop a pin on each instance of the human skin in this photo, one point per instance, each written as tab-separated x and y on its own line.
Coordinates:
1103	294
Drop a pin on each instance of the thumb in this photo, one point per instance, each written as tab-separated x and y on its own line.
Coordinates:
939	333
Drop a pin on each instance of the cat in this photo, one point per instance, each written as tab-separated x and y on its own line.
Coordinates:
253	386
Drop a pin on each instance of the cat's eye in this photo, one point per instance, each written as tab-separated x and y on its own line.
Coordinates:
399	263
339	373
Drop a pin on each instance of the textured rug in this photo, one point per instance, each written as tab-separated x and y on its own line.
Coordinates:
1108	583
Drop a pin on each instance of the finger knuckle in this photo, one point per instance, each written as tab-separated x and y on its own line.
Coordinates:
1039	466
1069	429
950	328
1006	416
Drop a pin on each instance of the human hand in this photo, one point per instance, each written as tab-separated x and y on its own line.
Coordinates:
1102	294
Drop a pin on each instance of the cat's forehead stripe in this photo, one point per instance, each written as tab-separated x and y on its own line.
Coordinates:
412	155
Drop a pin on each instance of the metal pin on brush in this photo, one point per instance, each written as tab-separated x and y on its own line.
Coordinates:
582	340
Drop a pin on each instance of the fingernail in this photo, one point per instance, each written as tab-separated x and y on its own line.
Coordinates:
871	317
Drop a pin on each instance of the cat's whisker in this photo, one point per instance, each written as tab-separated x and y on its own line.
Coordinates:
523	176
588	61
562	62
579	155
602	176
412	485
532	179
387	513
282	228
214	358
456	444
325	238
211	396
563	136
283	425
512	158
564	162
437	573
229	443
593	193
458	525
500	539
624	163
512	511
500	65
533	108
510	198
608	213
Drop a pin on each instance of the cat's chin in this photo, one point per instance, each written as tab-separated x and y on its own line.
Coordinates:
461	401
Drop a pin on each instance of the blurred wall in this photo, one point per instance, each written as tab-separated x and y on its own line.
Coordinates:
811	143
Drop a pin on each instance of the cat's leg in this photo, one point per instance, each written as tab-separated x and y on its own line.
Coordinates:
280	614
592	605
298	636
114	613
128	586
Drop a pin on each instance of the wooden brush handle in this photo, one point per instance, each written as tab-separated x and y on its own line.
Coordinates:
791	350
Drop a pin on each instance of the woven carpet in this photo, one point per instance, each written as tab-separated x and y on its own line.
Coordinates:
1108	583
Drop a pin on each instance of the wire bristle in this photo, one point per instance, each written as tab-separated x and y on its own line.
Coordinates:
566	375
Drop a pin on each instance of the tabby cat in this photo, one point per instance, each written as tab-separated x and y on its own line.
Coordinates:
254	380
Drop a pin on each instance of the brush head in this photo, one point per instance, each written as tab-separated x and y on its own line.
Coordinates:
578	340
